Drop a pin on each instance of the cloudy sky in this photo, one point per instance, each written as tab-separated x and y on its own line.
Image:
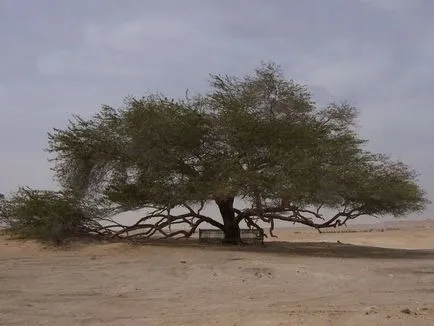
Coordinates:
60	57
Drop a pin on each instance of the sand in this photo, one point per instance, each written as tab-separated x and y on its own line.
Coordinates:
301	278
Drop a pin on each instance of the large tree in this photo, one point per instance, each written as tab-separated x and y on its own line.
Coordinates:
260	137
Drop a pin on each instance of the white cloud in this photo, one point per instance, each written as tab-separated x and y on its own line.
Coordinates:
79	62
137	35
343	67
395	5
115	49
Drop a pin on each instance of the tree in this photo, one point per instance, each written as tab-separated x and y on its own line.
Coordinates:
259	137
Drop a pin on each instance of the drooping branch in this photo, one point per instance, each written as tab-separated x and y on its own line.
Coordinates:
302	216
157	224
272	228
251	223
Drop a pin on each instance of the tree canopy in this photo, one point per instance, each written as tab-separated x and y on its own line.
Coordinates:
259	137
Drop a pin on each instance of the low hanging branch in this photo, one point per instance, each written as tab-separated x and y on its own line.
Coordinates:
158	224
301	216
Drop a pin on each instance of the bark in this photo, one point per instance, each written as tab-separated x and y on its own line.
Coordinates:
231	226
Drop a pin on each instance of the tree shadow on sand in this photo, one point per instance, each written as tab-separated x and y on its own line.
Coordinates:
344	250
310	249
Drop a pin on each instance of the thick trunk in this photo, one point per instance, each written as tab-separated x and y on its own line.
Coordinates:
230	226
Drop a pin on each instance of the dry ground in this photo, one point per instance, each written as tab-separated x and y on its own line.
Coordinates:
306	279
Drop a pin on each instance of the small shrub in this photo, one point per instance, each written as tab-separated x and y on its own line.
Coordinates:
45	215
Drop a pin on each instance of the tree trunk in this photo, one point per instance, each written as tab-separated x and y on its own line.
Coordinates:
231	228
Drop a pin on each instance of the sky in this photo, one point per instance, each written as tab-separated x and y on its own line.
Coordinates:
61	57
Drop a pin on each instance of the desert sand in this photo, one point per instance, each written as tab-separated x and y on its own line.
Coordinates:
301	278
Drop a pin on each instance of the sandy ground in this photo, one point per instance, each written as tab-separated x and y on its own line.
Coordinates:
359	278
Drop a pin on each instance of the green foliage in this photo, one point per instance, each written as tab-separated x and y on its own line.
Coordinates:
45	215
